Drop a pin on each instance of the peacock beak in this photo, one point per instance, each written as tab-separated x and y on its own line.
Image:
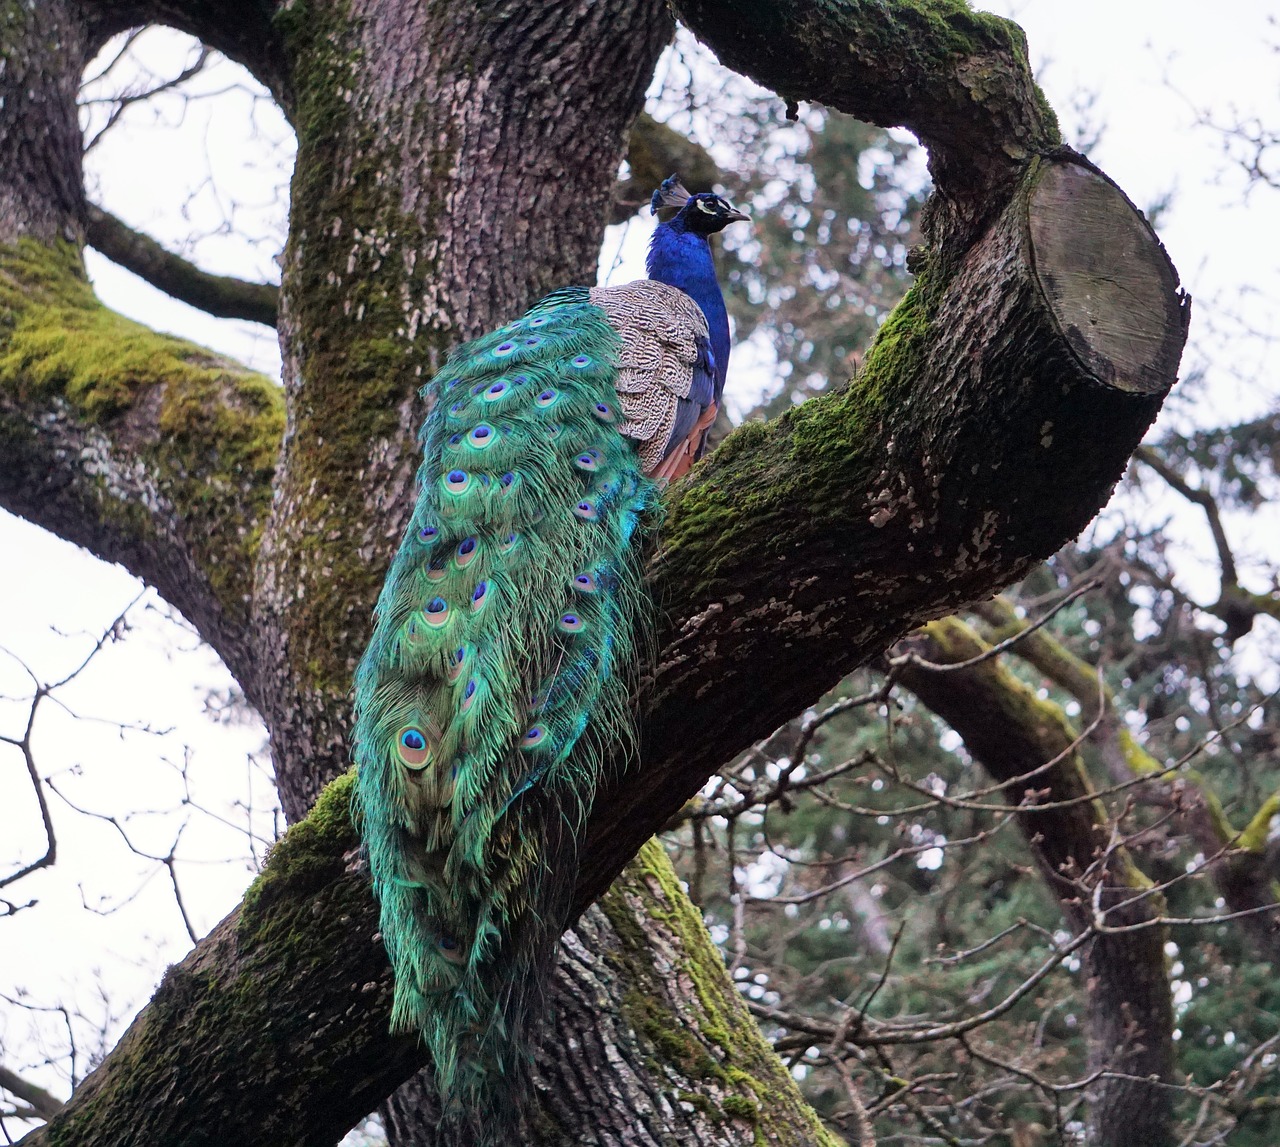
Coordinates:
735	215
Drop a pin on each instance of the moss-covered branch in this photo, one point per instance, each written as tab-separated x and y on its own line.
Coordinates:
1013	734
1238	861
957	78
273	1030
219	295
145	449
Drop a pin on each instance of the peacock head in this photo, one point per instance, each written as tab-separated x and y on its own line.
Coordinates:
703	214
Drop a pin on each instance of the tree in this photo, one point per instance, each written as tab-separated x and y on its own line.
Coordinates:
267	518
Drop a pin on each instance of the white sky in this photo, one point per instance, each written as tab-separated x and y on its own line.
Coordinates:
1153	64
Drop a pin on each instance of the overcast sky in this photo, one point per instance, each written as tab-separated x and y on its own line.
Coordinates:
1156	67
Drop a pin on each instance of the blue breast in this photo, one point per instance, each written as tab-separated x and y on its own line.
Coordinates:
683	259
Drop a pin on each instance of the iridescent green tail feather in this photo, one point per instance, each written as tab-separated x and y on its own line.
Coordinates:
496	687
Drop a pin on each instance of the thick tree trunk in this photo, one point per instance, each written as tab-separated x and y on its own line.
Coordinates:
454	162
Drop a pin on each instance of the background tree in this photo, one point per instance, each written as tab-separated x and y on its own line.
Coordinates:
696	564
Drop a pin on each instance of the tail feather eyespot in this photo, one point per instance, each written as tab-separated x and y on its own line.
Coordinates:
413	748
437	613
457	482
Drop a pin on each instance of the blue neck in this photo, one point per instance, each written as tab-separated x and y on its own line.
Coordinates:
682	259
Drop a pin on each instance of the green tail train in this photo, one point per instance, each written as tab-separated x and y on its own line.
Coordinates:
495	689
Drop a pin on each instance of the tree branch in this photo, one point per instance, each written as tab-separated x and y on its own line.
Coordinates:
654	151
1011	733
1237	861
219	295
42	1102
970	99
242	30
145	449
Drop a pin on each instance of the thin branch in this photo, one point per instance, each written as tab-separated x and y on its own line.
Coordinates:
219	295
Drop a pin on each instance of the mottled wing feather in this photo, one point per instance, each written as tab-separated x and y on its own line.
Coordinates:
665	376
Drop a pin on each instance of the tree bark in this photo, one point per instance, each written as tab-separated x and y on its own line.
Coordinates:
434	196
649	1042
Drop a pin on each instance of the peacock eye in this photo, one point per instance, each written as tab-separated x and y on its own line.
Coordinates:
504	349
477	597
451	950
497	390
480	436
468	695
507	544
457	481
534	737
465	552
546	398
703	205
581	362
571	623
437	612
412	747
585	462
586	510
585	583
427	534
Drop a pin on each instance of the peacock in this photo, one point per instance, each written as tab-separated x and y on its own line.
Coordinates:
496	686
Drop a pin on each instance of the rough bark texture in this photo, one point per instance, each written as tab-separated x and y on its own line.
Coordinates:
456	160
295	989
1013	734
454	163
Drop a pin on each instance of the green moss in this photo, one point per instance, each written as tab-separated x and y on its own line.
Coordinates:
1254	837
358	267
746	494
727	1050
740	1107
220	424
305	856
